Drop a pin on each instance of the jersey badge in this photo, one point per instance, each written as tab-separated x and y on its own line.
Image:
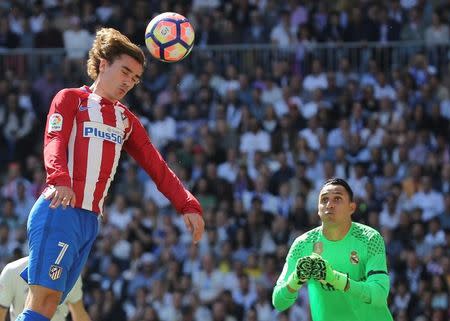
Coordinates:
126	122
55	123
55	272
318	248
83	104
354	258
83	108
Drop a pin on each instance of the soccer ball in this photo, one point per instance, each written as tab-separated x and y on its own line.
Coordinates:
169	37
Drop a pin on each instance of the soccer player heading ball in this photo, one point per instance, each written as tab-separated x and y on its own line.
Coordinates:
86	130
343	263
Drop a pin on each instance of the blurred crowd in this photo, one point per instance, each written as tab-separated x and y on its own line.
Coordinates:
254	148
70	23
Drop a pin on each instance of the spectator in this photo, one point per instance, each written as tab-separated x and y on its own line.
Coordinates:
428	200
245	293
17	125
281	34
208	281
317	79
77	42
163	128
119	215
439	300
437	33
256	31
435	236
390	215
23	201
8	38
48	36
444	217
131	186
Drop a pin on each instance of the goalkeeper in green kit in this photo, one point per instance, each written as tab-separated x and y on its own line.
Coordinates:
343	263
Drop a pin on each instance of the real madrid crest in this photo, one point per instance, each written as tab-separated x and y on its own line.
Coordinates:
318	248
354	258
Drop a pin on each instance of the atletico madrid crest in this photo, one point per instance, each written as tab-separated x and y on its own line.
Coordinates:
55	272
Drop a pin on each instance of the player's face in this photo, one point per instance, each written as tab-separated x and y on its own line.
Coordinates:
120	76
335	206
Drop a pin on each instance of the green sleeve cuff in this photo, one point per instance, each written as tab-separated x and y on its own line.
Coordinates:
285	293
293	282
340	280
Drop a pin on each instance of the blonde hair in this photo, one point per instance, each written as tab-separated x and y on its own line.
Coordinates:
110	44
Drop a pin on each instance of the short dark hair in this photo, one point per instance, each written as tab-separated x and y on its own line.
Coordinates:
341	182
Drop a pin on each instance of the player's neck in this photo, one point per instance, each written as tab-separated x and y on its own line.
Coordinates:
336	233
97	89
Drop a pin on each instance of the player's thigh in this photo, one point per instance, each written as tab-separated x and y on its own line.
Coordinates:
77	268
56	238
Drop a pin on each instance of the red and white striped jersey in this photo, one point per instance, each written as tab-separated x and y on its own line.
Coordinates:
84	137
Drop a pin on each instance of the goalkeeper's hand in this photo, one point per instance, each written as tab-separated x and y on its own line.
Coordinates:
323	271
302	272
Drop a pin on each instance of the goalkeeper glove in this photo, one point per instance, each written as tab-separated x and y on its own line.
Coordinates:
301	274
323	271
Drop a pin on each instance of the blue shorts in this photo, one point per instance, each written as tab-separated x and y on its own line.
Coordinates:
60	241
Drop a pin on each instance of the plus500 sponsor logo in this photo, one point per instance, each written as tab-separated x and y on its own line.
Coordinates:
102	131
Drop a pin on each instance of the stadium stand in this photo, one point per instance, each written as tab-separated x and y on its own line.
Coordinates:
273	100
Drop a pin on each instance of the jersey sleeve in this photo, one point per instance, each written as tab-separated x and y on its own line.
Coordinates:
6	286
282	298
76	294
139	146
59	125
375	289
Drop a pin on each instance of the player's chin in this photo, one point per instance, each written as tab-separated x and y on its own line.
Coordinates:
121	92
327	217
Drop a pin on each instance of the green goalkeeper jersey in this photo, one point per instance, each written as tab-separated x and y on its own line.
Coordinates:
361	255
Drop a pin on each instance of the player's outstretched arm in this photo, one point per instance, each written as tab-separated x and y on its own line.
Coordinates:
139	146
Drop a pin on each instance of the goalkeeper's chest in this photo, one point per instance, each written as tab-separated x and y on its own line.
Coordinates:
349	259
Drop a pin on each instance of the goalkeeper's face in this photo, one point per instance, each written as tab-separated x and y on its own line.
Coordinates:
335	206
